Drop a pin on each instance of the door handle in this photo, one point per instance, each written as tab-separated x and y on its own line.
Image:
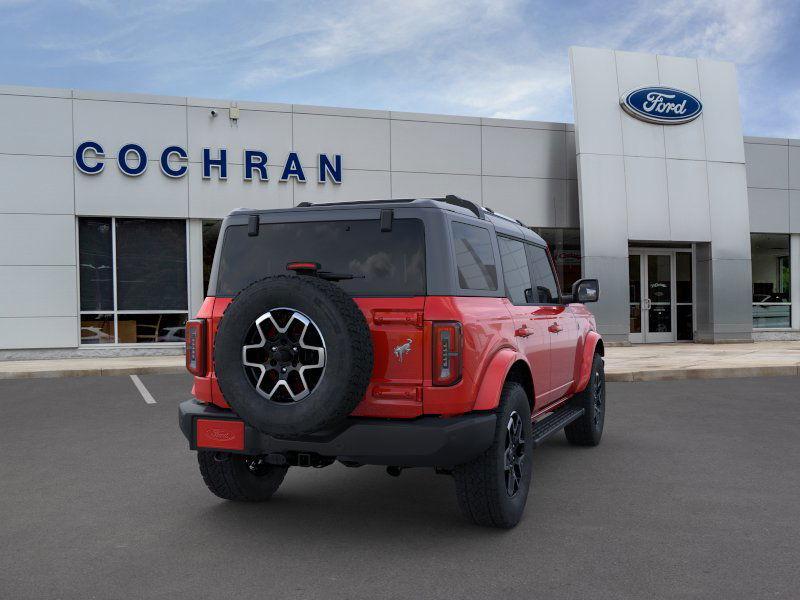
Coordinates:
522	331
554	328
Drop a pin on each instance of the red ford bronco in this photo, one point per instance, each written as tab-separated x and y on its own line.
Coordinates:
404	333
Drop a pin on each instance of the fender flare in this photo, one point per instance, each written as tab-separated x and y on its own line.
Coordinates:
593	340
494	376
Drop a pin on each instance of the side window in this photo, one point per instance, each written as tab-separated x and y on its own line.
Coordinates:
515	270
544	280
474	257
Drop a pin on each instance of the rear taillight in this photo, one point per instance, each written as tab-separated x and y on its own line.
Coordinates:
446	352
196	347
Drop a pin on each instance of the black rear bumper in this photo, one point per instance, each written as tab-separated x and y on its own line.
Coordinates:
423	442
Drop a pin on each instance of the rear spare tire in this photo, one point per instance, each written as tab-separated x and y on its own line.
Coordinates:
293	355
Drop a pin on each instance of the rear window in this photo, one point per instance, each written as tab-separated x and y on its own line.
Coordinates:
392	263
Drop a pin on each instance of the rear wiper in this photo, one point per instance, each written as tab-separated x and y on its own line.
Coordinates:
328	276
315	269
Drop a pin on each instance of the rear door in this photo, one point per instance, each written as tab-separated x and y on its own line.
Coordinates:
531	333
558	320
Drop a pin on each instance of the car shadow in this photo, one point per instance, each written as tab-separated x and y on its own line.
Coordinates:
352	503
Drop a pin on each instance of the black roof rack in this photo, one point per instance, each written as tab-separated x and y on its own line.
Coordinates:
449	199
354	202
463	203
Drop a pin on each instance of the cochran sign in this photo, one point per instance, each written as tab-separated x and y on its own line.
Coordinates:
132	161
663	105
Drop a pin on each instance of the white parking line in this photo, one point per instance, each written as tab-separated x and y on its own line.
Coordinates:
148	397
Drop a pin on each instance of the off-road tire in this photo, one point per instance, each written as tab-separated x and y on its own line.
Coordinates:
348	354
230	477
588	429
481	483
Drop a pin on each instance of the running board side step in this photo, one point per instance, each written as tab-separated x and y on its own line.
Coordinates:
554	422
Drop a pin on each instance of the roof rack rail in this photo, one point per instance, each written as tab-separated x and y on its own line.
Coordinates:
463	203
502	216
304	205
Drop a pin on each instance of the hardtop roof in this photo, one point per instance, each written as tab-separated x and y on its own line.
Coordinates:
502	223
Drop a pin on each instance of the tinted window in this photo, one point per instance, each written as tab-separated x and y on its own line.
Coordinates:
392	263
544	281
515	270
151	264
96	264
565	248
474	257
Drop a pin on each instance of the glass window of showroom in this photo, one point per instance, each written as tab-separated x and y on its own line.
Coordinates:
133	280
771	256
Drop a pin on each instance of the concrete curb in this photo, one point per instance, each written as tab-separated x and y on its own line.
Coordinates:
704	373
93	372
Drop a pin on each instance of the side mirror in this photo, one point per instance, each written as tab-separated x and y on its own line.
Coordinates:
585	290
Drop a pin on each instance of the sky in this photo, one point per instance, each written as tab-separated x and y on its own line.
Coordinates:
498	58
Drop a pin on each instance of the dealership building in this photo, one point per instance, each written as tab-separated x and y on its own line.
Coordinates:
110	203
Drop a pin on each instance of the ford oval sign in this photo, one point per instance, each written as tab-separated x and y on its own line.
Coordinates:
662	105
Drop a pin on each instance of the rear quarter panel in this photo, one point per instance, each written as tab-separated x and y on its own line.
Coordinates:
487	328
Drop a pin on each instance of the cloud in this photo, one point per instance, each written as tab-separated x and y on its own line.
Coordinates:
503	58
324	40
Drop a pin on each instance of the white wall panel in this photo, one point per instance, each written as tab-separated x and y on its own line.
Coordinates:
794	211
36	184
436	147
769	210
356	185
151	194
686	141
37	239
434	118
524	152
648	205
596	101
113	124
33	125
270	132
794	167
214	199
635	70
532	201
336	111
730	223
568	212
722	120
363	143
426	185
569	155
38	332
687	183
767	166
603	211
47	291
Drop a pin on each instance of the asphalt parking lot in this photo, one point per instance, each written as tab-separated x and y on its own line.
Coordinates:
693	493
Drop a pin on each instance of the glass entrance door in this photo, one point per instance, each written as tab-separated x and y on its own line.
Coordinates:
660	297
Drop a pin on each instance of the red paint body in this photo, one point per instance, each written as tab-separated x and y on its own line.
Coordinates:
552	345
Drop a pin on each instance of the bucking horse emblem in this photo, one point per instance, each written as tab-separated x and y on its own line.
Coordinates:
403	349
